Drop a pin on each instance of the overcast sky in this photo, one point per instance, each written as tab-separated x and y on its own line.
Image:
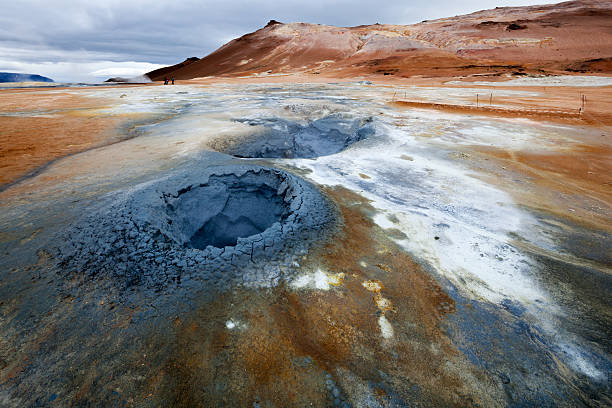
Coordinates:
89	40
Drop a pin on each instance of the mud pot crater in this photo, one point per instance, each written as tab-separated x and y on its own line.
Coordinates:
282	138
221	226
225	209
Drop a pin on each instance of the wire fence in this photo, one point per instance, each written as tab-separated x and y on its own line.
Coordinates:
486	101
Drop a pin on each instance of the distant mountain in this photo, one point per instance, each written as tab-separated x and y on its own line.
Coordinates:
117	79
15	77
161	73
131	80
570	36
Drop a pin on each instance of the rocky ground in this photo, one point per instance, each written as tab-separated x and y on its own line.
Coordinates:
253	242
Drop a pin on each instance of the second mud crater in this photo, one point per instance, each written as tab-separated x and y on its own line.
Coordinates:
282	138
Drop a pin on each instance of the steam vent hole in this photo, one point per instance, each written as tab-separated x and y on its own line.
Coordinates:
225	209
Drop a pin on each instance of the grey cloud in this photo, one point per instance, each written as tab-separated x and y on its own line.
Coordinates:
168	32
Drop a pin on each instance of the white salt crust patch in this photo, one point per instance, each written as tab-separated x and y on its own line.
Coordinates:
386	330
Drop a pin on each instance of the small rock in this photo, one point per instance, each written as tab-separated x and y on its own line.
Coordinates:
504	378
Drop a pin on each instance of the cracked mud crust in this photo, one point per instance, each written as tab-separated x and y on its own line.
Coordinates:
223	225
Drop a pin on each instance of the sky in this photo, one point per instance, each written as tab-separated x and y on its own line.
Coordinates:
92	40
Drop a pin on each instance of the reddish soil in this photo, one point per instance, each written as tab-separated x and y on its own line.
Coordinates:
566	101
553	115
336	329
579	179
50	125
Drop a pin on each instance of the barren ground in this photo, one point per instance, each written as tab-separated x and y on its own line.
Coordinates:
468	263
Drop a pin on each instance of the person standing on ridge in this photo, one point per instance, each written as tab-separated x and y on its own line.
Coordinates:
172	80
